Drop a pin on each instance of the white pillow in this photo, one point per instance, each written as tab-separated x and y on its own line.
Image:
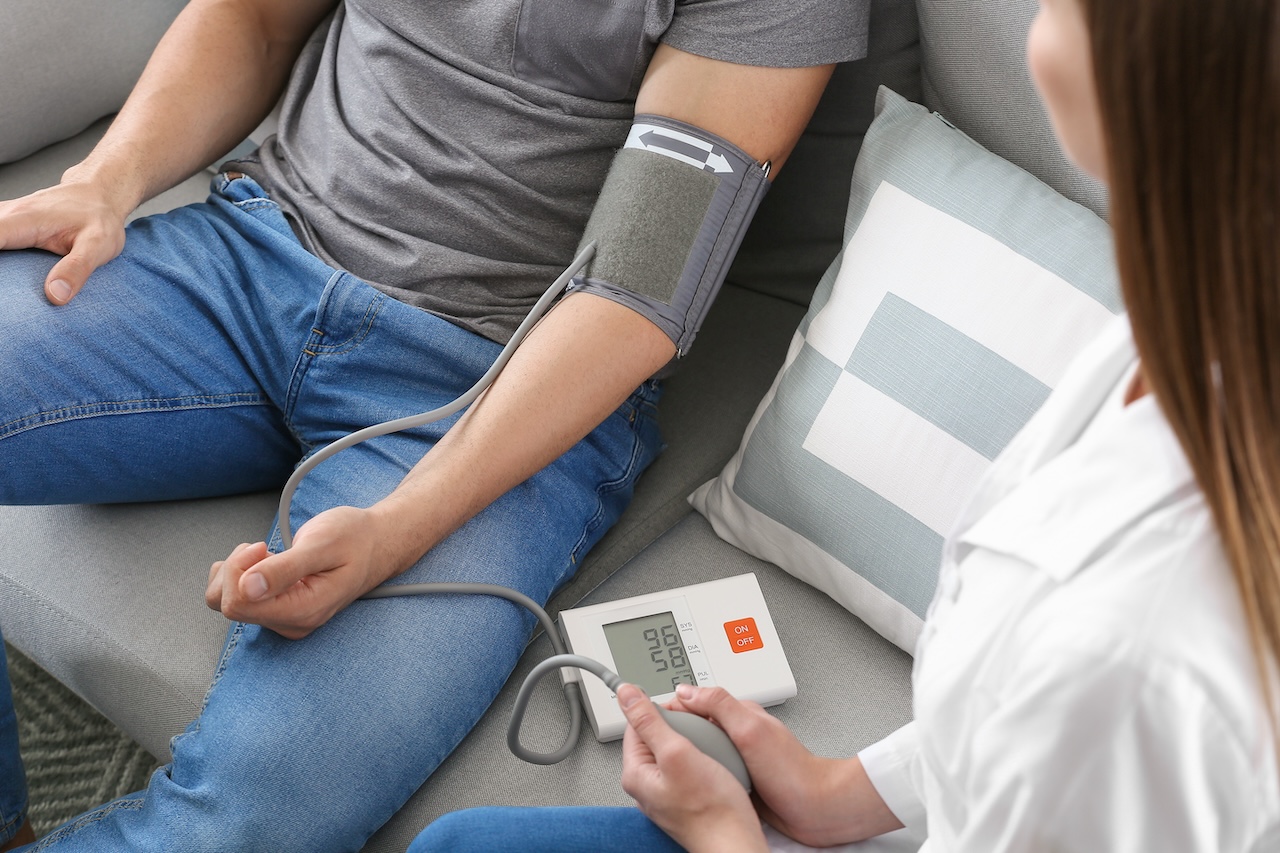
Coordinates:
964	289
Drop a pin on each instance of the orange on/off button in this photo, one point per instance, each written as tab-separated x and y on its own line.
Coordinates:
743	635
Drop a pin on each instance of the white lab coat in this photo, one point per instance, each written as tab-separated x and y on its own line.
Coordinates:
1084	681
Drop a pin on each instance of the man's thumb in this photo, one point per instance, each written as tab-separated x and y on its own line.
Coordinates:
69	274
66	278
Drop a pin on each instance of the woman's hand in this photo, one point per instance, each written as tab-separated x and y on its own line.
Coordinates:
694	799
336	558
820	802
81	220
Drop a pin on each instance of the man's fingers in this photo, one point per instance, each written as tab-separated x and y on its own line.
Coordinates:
233	568
277	573
69	274
213	589
15	228
292	609
297	591
251	569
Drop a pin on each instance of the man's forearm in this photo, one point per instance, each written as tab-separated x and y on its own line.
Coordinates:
586	356
214	76
574	369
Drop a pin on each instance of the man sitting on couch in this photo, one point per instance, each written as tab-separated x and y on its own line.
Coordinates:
435	168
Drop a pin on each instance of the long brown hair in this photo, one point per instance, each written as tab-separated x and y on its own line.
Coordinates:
1190	99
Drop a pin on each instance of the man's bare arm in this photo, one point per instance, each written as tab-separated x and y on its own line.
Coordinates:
589	354
214	76
574	369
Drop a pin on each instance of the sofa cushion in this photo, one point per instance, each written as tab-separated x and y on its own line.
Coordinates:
975	73
67	63
965	288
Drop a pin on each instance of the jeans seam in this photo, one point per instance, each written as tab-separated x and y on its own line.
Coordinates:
10	829
84	820
254	203
371	312
301	367
129	407
312	348
233	641
605	488
306	356
237	631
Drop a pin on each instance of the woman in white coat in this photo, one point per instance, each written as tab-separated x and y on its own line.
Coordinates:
1098	668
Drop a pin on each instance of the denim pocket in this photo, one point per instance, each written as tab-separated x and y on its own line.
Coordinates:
246	195
590	48
239	189
344	318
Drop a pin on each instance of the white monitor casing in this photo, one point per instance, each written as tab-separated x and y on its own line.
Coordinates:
727	632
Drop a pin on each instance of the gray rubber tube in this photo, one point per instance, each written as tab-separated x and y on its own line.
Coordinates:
705	734
572	691
469	397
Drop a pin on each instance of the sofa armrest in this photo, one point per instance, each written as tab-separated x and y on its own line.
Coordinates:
67	63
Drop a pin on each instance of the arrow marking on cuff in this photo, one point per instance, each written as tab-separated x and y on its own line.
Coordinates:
678	146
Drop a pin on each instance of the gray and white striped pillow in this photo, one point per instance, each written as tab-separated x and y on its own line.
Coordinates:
964	289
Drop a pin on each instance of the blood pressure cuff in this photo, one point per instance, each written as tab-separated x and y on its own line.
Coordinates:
669	220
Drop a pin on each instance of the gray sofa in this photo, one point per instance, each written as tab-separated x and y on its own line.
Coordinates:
70	577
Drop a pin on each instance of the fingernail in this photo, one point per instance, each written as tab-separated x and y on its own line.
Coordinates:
59	290
255	586
628	695
685	691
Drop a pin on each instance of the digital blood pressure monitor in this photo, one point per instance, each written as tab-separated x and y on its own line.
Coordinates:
710	634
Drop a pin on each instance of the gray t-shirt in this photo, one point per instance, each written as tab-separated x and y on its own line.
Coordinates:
450	152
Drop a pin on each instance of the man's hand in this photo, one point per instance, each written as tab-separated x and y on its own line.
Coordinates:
820	802
692	797
80	220
334	560
213	77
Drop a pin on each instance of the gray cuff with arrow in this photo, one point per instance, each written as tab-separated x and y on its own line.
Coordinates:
670	217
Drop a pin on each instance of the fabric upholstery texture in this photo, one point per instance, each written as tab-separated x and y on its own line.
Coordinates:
964	289
60	78
974	66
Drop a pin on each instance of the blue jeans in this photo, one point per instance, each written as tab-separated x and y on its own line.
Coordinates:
209	358
578	829
13	784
